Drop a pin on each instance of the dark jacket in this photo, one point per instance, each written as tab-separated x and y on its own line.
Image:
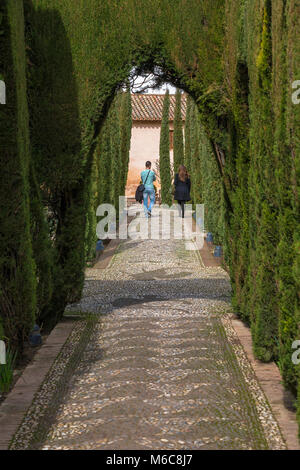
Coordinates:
182	189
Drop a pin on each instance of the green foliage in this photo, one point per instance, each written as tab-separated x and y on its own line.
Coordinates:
205	176
58	159
110	167
212	190
264	323
17	267
41	244
178	134
104	164
1	330
196	175
264	58
187	133
91	236
164	154
6	371
125	118
115	150
263	158
286	63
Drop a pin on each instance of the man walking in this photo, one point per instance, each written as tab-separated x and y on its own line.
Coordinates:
148	176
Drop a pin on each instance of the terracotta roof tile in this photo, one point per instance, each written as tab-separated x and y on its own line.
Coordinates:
149	107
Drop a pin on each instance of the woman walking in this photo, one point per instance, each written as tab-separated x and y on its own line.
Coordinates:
182	185
148	176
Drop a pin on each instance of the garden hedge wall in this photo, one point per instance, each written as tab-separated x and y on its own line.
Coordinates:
263	60
17	267
237	60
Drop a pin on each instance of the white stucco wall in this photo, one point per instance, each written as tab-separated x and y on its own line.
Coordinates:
145	139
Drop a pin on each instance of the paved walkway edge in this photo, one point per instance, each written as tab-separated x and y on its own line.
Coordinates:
107	255
270	380
14	407
109	251
27	399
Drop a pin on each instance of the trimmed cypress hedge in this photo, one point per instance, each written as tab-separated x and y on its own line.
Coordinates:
125	119
17	266
178	134
264	157
111	161
211	189
164	154
187	134
196	191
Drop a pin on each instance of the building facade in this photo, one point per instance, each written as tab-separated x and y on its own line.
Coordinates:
145	137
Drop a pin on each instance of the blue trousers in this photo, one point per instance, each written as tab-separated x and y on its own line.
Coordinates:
148	194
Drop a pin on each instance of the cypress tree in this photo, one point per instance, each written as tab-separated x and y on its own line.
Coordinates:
164	154
187	134
178	134
211	189
115	152
17	266
195	159
41	244
265	316
125	137
91	237
60	150
104	164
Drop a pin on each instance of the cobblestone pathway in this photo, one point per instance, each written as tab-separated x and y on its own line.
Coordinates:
161	370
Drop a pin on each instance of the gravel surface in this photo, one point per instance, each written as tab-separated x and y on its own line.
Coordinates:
163	368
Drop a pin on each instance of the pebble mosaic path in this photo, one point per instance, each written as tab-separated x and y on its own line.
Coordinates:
162	369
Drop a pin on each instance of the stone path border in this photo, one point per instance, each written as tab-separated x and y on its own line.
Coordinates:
109	251
270	381
12	410
208	260
43	408
41	384
107	255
